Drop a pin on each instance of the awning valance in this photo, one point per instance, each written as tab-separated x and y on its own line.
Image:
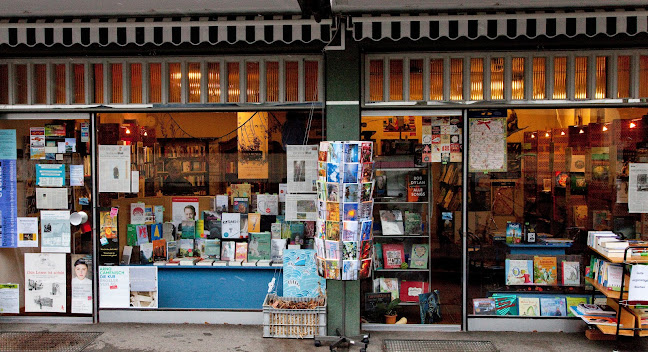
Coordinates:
159	31
495	25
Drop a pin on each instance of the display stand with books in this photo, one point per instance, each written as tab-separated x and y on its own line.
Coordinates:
617	279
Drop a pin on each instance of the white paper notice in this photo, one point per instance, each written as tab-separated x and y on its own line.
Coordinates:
283	189
638	188
487	145
27	229
301	163
114	168
51	198
114	287
76	175
638	290
134	181
55	231
45	287
301	207
9	299
144	286
268	204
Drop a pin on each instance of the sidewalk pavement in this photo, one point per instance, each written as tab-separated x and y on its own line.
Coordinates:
245	338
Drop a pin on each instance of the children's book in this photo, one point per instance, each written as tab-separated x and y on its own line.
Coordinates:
529	306
391	222
410	290
544	270
156	232
300	278
419	256
553	307
389	284
484	306
574	302
513	232
259	247
570	273
393	255
519	272
241	251
506	304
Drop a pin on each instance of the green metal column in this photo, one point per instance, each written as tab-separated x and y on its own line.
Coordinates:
343	77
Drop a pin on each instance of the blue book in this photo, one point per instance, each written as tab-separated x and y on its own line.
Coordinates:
300	278
553	307
156	232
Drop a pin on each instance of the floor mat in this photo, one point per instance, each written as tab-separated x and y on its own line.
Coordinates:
437	345
46	341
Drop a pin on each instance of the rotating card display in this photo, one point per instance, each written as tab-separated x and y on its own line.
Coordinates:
345	183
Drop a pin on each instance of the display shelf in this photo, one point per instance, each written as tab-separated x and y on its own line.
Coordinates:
400	270
635	259
400	202
605	291
401	169
400	236
408	304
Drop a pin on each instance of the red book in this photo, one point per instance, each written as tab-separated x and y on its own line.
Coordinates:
410	290
393	255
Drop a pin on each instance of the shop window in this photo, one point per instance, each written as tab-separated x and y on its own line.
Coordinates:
539	78
560	78
623	77
272	81
213	82
20	84
59	83
517	78
4	84
155	83
643	76
79	83
497	78
476	79
116	83
395	80
194	75
376	80
233	82
136	83
580	77
436	79
292	80
311	80
601	77
253	82
416	79
98	89
456	79
175	82
40	84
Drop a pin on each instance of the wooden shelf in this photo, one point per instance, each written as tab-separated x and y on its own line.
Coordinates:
605	291
611	330
631	260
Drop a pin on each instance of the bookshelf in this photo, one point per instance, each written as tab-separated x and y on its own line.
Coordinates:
190	157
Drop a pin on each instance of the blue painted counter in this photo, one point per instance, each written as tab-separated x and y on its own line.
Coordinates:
215	287
538	249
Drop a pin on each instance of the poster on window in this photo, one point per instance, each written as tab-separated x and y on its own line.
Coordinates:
441	139
55	231
638	188
27	232
252	145
114	287
8	203
114	168
143	287
81	283
45	286
302	168
487	138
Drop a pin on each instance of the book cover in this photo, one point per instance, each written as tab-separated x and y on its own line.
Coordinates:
595	309
131	235
156	232
413	223
221	203
275	230
297	233
186	247
519	272
142	234
212	224
410	290
244	226
146	253
300	278
188	229
570	273
254	222
391	222
378	253
241	205
277	247
200	229
159	250
575	302
169	231
389	284
381	183
544	270
260	246
172	250
228	250
484	306
506	305
580	216
199	248
553	307
126	255
417	187
231	225
213	249
137	215
393	255
529	306
419	256
513	232
241	251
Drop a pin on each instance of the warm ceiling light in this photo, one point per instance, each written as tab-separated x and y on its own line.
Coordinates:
605	128
127	131
546	134
533	136
562	133
145	134
581	131
633	125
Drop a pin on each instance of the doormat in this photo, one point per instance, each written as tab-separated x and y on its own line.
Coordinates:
437	345
46	341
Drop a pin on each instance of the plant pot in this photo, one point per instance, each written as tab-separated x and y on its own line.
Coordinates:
390	319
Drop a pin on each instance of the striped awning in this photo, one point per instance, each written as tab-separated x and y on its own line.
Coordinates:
496	25
160	31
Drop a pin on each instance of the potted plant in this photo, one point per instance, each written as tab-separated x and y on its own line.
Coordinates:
390	311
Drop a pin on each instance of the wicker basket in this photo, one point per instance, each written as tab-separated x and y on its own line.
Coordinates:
293	323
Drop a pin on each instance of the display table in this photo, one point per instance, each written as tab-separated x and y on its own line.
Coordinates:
538	249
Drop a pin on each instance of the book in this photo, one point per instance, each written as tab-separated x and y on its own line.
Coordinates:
410	290
189	261
553	307
391	222
213	249
159	250
389	284
142	234
417	187
254	222
231	225
228	250
413	223
131	235
529	306
126	255
275	230
419	256
205	262
595	309
519	272
598	320
575	301
506	304
186	247
378	253
212	224
137	215
156	232
241	205
513	232
259	246
188	229
199	248
146	253
172	250
544	270
276	250
393	255
169	231
484	306
571	273
381	183
241	251
244	225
